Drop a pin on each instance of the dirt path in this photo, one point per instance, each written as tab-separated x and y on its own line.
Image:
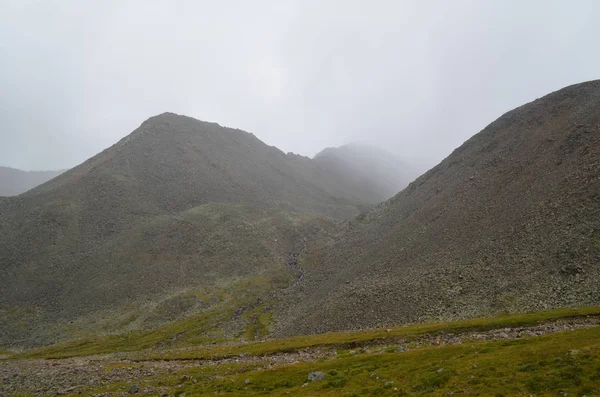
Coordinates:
56	377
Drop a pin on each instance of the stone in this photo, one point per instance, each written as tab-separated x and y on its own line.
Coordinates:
316	376
68	391
134	389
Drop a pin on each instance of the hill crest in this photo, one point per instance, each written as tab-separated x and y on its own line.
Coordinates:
509	221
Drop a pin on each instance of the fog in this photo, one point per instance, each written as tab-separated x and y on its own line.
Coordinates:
417	78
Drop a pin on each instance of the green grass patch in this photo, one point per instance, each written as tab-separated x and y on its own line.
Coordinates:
259	321
202	329
565	362
192	331
4	354
354	339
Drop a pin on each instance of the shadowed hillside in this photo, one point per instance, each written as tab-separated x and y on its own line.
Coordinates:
509	221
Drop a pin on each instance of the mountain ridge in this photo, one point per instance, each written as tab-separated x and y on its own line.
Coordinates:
184	218
14	181
155	216
507	222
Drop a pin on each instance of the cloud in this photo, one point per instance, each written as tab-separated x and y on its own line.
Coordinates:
418	78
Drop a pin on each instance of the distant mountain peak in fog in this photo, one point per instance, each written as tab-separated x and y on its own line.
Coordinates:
375	172
14	181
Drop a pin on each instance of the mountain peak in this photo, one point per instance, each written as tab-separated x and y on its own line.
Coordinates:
372	170
509	222
174	121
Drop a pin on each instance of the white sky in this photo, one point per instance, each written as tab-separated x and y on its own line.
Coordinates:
418	78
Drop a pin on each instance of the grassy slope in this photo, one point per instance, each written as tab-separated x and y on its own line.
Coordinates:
194	330
196	325
208	262
567	362
6	353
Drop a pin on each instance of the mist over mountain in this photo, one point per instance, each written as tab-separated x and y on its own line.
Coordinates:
510	221
299	198
374	173
177	204
14	182
187	219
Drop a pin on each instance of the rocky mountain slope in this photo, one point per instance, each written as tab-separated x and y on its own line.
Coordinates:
178	205
222	237
375	174
510	221
14	182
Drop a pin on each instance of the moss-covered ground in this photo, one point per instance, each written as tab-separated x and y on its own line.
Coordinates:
195	327
202	329
565	363
562	363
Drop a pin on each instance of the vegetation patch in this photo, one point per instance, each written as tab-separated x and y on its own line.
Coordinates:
200	329
566	362
354	339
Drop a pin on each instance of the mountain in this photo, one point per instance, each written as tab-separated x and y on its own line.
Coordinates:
198	233
14	182
510	221
178	211
375	174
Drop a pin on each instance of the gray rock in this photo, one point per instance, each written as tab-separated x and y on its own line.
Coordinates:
134	389
68	391
316	376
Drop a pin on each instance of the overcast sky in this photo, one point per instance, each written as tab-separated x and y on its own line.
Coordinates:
417	77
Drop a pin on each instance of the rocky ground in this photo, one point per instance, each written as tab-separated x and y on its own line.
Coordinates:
77	375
